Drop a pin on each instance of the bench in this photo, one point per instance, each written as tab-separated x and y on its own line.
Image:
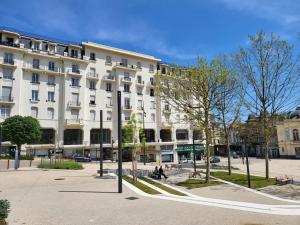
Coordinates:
283	181
195	174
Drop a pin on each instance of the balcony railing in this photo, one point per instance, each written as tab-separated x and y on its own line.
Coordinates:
55	69
73	122
6	99
140	82
9	61
127	107
30	66
126	79
109	77
167	110
108	105
8	43
74	104
126	66
92	75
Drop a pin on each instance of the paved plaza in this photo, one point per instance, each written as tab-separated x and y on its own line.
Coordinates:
61	197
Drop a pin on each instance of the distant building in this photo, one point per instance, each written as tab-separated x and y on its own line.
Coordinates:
288	135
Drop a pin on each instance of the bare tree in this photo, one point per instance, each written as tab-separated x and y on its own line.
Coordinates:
229	101
194	91
269	70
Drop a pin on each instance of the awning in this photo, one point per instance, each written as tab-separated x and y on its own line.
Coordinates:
189	148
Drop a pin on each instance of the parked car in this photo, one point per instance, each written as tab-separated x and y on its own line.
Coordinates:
214	159
79	158
235	155
189	161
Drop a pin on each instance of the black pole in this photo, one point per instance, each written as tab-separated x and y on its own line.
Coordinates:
194	154
0	138
144	135
119	144
248	170
101	143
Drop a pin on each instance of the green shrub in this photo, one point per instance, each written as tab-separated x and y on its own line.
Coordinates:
4	209
22	157
64	165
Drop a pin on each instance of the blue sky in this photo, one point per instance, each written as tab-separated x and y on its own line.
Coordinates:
175	31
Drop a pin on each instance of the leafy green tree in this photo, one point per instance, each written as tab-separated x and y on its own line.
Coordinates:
194	91
271	80
134	139
21	130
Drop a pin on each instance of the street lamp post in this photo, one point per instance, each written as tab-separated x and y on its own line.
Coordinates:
144	148
101	143
119	143
194	153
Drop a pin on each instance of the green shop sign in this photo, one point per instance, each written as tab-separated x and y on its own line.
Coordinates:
189	148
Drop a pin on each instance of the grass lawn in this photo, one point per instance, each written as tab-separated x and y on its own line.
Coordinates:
241	179
195	183
141	186
216	166
163	187
65	165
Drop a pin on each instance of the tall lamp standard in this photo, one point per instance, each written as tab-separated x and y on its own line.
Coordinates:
0	138
112	146
144	148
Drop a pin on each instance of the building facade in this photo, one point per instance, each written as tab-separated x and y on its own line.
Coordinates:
288	136
65	85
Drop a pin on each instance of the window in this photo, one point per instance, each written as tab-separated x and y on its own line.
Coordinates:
75	114
178	118
92	100
75	68
92	72
296	135
4	112
182	134
92	85
6	94
139	91
50	112
92	56
140	104
127	88
127	116
51	66
151	68
35	78
74	53
152	92
34	95
95	136
36	46
51	96
139	79
7	73
140	116
151	80
75	98
108	60
51	80
124	62
127	103
34	112
152	117
139	65
9	58
109	102
75	82
197	134
92	115
109	114
108	87
36	63
152	105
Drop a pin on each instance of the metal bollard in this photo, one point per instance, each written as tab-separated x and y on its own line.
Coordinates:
30	162
8	164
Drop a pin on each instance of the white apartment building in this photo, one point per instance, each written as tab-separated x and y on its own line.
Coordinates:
65	86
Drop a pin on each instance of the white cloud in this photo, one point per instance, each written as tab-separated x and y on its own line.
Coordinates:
285	12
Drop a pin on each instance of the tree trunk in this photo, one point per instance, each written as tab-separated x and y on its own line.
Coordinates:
207	155
228	154
266	146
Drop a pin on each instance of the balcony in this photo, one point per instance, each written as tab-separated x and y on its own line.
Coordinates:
8	63
74	104
139	94
6	100
125	67
55	70
109	78
10	44
126	80
75	73
92	76
140	83
109	106
73	123
127	107
166	124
